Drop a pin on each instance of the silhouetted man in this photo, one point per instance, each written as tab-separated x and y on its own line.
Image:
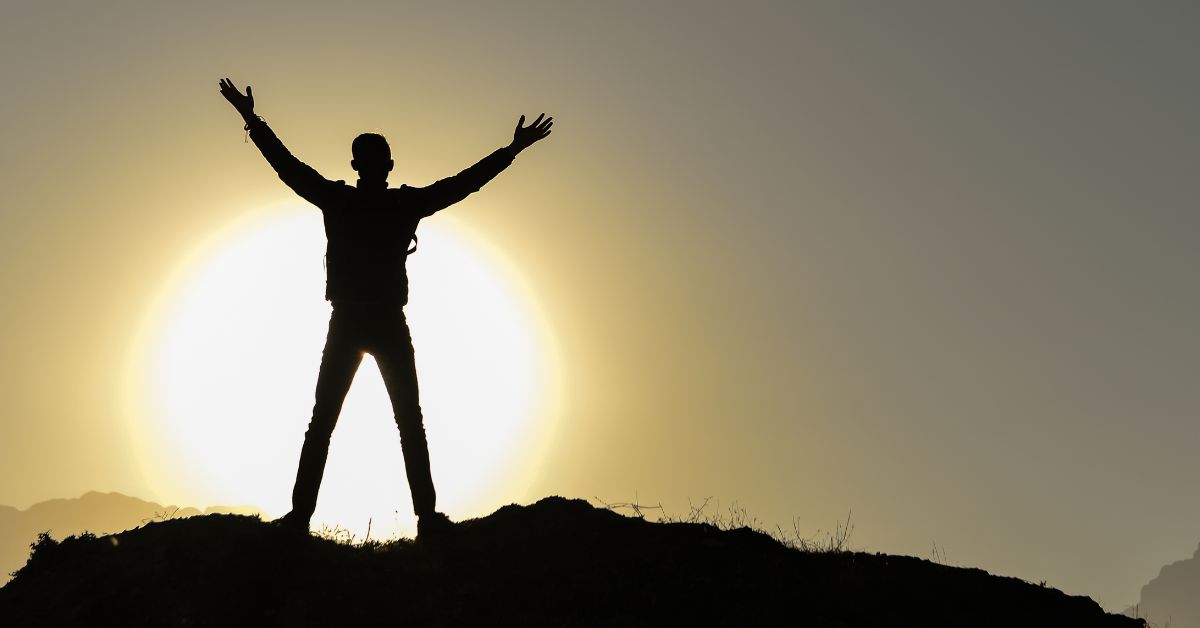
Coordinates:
369	227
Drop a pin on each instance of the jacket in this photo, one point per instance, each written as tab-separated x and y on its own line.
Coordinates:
369	230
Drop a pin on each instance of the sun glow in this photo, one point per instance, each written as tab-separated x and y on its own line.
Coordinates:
229	362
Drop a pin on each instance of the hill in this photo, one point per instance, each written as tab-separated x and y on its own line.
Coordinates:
557	562
99	513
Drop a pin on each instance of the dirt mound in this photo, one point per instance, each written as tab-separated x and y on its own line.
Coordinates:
558	562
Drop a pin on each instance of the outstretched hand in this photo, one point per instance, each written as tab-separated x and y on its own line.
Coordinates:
244	103
525	136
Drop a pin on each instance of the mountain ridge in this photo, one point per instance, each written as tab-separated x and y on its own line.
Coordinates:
1170	597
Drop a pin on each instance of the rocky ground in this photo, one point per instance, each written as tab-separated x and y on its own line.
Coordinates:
558	562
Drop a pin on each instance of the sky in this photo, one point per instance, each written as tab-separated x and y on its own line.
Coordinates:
928	263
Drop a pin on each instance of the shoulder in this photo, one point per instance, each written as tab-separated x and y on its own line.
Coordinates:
403	194
337	195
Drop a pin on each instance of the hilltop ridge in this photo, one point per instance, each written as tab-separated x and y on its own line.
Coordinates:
94	511
553	563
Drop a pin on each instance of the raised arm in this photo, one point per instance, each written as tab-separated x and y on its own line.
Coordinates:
451	190
299	176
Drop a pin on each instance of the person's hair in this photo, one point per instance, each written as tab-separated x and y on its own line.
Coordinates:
371	148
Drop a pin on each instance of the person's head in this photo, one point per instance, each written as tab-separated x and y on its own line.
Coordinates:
372	157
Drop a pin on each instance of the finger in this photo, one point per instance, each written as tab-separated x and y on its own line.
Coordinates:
521	121
539	119
249	92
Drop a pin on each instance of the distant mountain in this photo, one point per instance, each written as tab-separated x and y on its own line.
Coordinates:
98	513
1173	597
558	562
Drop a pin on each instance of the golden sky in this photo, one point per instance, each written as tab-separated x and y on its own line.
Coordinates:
931	262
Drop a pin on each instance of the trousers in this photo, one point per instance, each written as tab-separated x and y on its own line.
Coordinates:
380	329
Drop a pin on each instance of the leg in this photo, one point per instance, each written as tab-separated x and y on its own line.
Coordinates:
393	352
339	362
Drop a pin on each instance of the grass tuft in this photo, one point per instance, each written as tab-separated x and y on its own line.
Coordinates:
735	517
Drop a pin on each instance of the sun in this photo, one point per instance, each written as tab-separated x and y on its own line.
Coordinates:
229	360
